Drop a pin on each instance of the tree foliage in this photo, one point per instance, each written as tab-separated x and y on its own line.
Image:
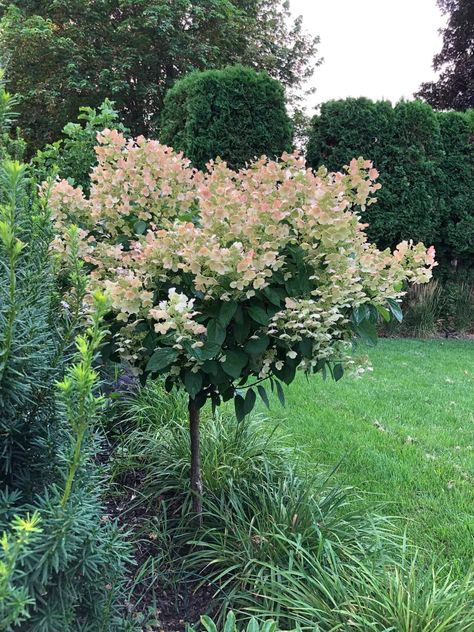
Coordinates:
454	89
61	55
425	160
236	114
222	280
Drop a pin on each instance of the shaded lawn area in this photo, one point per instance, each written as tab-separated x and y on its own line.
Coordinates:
404	433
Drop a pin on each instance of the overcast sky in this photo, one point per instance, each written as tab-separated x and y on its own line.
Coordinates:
372	48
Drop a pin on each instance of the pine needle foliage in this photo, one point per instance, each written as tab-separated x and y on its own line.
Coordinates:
62	562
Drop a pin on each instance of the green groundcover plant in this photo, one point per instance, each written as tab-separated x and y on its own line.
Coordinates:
223	280
280	540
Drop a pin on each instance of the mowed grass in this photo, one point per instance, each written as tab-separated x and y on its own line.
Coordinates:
403	434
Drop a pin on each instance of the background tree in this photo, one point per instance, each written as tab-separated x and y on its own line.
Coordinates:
223	280
426	164
455	87
61	55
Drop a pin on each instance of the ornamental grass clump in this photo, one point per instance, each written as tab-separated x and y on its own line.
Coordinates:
222	280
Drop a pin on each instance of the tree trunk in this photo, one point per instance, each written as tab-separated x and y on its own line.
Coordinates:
196	481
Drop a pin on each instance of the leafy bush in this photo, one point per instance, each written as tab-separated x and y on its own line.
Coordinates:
73	157
457	233
425	160
276	543
236	114
459	306
14	596
68	576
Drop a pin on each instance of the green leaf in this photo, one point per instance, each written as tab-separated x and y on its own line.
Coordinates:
395	308
193	383
253	625
286	373
226	312
338	372
385	313
257	345
306	347
227	392
242	331
274	295
258	314
161	359
280	393
250	399
235	361
239	405
367	332
230	623
220	377
210	367
208	624
208	351
239	315
263	394
360	313
140	227
216	333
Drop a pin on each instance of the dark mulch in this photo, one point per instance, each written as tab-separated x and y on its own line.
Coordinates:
156	604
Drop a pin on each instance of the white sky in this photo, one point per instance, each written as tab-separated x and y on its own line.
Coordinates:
381	49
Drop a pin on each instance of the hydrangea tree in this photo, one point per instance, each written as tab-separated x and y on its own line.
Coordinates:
224	281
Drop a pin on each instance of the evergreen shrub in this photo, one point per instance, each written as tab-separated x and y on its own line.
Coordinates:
236	114
62	562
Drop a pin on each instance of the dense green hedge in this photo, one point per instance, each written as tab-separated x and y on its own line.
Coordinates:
235	113
426	164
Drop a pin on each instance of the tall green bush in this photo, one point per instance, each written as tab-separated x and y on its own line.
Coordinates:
425	160
236	113
67	576
457	235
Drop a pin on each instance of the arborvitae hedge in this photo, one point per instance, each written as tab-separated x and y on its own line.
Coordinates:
236	113
425	160
457	236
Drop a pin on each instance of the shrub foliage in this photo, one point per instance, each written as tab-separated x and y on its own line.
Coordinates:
426	164
236	114
61	565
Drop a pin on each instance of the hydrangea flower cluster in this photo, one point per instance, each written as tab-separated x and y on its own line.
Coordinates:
220	276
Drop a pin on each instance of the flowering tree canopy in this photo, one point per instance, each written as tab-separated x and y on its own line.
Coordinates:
221	279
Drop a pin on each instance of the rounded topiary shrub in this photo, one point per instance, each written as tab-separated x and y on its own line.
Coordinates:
236	114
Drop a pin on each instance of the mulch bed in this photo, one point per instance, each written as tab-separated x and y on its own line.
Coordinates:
162	608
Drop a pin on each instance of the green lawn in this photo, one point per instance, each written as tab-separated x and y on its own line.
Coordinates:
404	433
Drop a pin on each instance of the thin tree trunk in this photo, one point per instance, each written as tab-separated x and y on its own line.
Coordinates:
196	481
